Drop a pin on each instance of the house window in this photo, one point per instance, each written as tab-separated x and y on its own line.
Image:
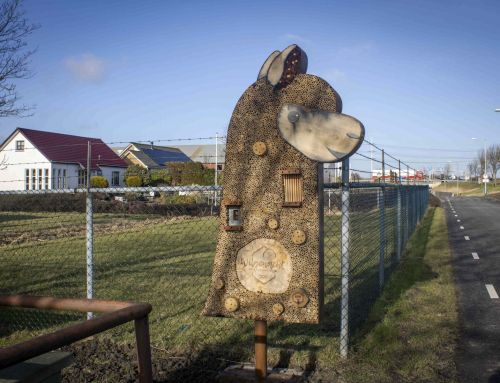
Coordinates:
82	178
115	179
39	179
46	173
33	179
20	146
64	182
59	183
27	176
53	178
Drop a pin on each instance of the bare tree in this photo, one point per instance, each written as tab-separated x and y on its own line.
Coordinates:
493	158
474	168
483	166
447	171
14	56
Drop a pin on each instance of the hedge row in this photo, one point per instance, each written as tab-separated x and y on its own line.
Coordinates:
102	204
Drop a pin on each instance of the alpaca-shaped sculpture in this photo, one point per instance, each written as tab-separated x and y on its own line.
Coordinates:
269	259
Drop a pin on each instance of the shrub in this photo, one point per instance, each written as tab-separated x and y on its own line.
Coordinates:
139	171
160	177
43	202
134	197
133	181
190	173
168	199
98	182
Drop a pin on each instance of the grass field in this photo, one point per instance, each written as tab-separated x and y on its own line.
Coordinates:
167	262
411	333
471	189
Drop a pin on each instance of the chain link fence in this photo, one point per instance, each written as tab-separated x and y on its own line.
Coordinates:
156	244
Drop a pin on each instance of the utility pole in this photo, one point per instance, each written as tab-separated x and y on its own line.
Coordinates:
371	161
216	178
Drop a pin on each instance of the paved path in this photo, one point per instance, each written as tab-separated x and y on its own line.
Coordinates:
474	232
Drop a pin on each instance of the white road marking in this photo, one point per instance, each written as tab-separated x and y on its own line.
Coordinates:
492	291
467	238
475	256
456	215
458	220
461	227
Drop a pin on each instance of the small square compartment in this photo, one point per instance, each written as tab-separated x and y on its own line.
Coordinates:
293	189
233	216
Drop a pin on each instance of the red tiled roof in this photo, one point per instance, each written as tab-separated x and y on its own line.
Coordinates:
59	147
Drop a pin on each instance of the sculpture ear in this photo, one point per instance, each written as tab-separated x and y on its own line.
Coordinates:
285	66
267	64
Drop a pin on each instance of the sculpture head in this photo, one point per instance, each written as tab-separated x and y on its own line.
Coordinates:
320	135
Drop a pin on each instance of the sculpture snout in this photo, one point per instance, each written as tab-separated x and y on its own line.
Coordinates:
320	135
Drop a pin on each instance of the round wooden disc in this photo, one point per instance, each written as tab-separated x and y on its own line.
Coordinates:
278	308
259	148
299	237
273	223
299	298
219	284
231	304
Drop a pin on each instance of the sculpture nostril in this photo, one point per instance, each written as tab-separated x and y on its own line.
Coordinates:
293	116
353	136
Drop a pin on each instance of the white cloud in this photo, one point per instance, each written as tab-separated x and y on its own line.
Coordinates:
87	67
296	38
334	75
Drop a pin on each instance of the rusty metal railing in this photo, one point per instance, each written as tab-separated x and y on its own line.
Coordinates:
115	313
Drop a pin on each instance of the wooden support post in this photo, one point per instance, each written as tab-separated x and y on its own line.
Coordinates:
143	350
261	350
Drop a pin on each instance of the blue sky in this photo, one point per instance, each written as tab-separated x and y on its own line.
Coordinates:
420	75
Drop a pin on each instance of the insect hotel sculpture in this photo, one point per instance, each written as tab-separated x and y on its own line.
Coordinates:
269	259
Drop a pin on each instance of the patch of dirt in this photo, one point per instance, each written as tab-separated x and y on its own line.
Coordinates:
65	231
106	361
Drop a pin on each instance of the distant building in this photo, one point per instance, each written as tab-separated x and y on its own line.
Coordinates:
151	156
206	154
409	174
37	160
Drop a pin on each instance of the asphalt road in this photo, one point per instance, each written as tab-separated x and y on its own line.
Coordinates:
476	262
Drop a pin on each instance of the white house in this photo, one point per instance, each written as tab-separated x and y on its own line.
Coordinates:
36	160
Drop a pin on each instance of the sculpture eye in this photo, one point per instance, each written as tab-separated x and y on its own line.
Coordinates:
293	116
353	136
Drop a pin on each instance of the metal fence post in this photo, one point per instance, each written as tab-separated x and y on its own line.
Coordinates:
344	262
216	179
89	232
381	265
407	203
415	203
398	224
